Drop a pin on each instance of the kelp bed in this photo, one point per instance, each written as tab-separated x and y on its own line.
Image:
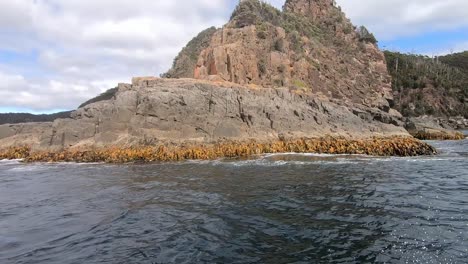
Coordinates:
395	146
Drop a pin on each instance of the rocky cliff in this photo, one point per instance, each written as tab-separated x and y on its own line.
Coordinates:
309	46
161	111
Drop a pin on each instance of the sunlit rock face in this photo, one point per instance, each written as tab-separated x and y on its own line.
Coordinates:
309	46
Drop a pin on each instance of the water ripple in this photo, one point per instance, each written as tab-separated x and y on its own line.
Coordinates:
282	208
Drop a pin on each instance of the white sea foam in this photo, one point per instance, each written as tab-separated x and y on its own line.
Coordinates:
9	162
280	163
76	163
313	155
28	168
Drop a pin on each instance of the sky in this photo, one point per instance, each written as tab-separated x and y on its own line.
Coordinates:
56	54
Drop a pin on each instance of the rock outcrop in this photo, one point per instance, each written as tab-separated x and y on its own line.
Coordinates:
161	111
24	134
455	122
309	46
431	128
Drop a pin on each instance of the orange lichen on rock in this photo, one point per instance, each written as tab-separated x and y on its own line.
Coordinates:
396	146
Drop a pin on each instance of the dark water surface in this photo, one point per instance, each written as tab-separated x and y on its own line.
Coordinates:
274	209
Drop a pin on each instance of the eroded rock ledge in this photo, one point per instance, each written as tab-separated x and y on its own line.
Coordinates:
202	120
154	111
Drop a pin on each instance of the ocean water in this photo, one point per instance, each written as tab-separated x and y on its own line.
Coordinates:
284	208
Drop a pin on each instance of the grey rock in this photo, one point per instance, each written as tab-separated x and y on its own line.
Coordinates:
185	110
27	134
430	124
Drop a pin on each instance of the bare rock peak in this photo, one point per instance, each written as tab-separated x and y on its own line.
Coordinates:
310	46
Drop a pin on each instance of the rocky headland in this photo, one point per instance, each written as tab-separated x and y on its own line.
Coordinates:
299	80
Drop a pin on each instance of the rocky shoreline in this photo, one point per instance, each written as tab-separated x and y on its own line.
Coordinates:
396	146
156	119
457	123
301	79
433	128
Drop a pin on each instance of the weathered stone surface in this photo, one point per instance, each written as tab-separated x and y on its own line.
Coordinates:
27	134
428	127
456	122
185	110
310	46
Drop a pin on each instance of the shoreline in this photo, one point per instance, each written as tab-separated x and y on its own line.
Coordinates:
439	135
391	146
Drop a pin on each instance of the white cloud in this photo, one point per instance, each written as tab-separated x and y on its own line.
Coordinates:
43	95
395	18
87	46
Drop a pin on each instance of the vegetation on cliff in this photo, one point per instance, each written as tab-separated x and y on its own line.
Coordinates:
365	35
16	118
429	86
261	14
107	95
397	146
184	63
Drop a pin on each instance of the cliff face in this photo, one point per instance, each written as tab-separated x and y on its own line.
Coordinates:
162	111
309	46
